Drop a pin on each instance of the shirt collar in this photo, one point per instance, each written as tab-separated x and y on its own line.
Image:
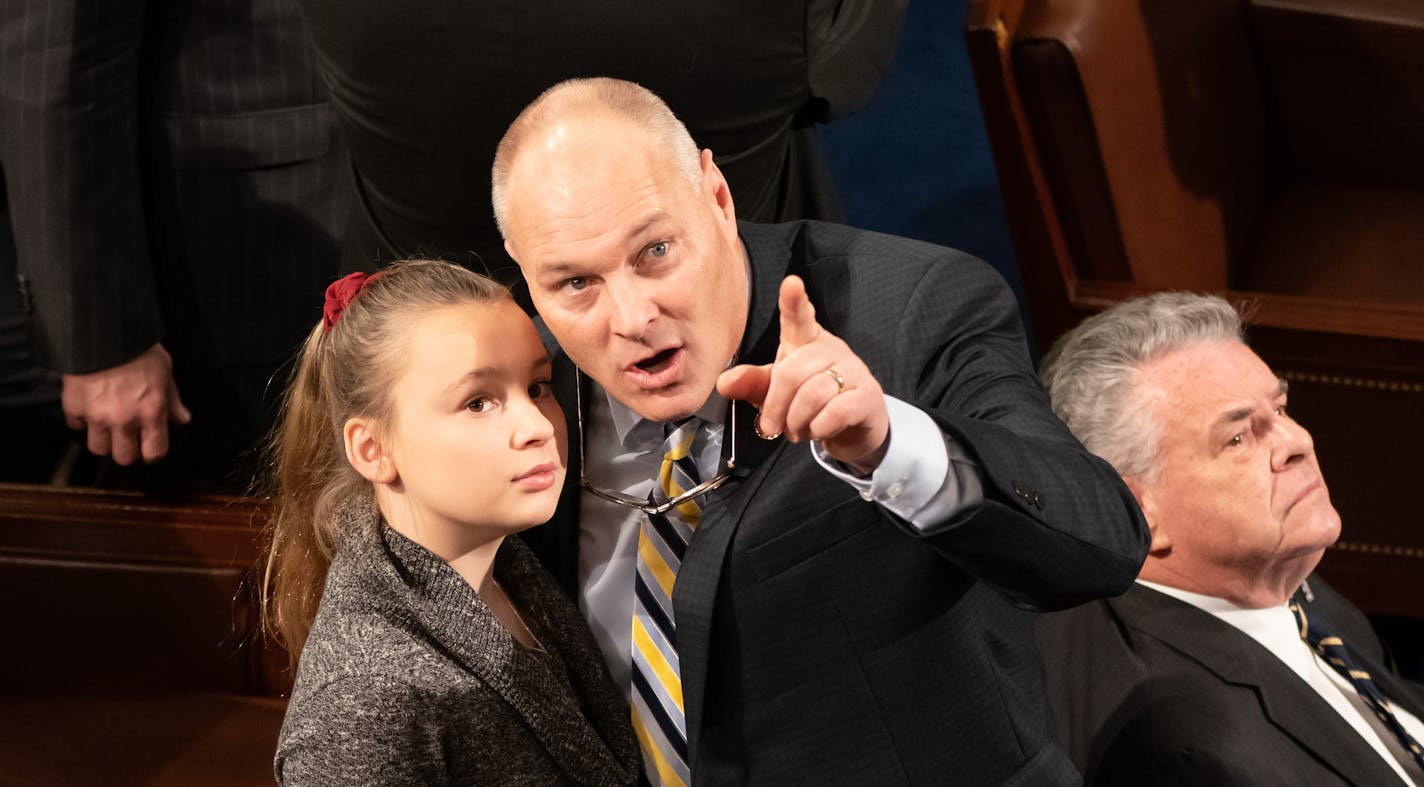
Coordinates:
1274	627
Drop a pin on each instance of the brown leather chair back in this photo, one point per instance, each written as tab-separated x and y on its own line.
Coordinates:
1154	147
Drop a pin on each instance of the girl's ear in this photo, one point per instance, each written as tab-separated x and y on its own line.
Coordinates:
366	453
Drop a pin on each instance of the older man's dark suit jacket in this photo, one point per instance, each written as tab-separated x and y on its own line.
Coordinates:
822	642
1149	690
173	175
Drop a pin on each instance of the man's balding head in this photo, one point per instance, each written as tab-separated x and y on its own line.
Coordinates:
577	106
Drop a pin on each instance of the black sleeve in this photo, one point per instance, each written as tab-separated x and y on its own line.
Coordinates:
1057	526
850	44
69	111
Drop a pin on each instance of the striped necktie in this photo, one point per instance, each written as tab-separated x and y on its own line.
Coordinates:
658	717
1333	650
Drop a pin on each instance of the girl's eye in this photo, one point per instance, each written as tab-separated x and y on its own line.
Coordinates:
541	389
576	283
479	404
1236	440
658	249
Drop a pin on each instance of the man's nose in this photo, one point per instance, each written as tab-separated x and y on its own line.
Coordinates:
1292	443
632	307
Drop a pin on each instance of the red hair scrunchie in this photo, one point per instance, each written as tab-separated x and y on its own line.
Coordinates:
340	294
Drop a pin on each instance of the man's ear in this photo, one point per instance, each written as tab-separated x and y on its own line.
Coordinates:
714	185
366	453
1147	500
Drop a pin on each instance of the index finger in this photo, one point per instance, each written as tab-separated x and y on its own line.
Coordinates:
798	316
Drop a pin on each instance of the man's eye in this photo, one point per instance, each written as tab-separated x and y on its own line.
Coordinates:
659	249
576	283
1236	440
1281	410
541	389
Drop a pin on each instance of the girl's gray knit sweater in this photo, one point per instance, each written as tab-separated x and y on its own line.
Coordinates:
408	678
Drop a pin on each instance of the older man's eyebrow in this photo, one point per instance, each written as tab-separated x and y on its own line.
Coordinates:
1243	413
1232	416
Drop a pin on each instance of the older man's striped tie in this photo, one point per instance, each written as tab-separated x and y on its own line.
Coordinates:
1333	650
658	716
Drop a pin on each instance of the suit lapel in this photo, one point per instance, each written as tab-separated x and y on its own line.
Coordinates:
1287	702
698	580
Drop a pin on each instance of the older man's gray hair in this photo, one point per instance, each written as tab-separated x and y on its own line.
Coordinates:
1091	374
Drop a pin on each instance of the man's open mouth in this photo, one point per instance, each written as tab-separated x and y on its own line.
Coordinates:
658	362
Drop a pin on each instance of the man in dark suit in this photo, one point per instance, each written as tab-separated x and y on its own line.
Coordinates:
424	98
1221	665
849	611
174	186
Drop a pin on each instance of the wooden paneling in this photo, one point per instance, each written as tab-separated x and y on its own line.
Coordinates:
130	654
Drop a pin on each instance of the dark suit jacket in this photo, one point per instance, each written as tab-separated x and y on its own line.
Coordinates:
1149	690
821	642
426	96
173	175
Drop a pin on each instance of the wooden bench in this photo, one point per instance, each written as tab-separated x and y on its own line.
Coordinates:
130	653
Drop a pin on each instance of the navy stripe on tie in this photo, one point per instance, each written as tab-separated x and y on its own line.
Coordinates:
653	609
670	536
655	706
689	467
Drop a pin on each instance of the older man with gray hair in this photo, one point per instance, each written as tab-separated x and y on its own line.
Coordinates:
1222	664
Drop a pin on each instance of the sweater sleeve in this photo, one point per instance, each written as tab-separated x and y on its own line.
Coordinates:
362	730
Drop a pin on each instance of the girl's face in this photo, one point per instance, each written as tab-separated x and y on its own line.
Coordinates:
476	441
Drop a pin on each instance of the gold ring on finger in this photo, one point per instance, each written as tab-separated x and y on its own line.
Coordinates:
835	375
756	429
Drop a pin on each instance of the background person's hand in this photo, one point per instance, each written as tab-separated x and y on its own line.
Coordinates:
126	409
817	389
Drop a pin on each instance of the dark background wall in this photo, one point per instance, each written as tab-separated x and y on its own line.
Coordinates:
915	161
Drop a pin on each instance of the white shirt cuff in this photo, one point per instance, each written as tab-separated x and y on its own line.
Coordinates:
915	481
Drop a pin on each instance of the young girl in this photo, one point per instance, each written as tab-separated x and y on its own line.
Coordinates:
418	432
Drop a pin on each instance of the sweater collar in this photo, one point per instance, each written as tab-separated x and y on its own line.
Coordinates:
584	730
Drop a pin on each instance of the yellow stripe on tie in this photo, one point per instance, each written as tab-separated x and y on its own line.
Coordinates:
691	513
662	572
1326	642
666	677
679	451
665	769
1361	674
670	487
